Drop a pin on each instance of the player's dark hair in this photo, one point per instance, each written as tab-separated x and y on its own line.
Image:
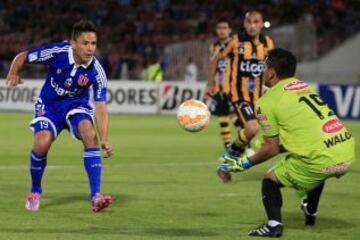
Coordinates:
283	62
223	20
81	27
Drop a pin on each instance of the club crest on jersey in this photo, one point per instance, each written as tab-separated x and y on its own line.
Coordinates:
82	80
68	82
296	85
58	71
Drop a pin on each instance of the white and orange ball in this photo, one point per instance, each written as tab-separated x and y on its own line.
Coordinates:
193	115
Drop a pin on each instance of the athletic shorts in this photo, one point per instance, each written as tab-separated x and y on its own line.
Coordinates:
222	104
59	116
298	173
245	111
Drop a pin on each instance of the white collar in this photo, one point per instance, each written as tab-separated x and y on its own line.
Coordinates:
72	60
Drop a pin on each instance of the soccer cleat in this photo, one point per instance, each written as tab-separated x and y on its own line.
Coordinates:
267	231
234	150
310	218
100	201
224	174
33	201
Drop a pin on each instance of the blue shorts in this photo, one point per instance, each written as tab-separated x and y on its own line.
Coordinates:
56	117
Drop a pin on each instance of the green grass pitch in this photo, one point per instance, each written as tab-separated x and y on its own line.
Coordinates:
165	187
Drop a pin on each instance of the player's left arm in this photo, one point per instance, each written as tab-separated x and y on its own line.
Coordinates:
101	112
102	125
269	149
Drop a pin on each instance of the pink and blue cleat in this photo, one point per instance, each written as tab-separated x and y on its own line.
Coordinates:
33	201
100	201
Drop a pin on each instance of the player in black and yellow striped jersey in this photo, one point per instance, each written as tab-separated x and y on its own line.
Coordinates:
249	50
219	80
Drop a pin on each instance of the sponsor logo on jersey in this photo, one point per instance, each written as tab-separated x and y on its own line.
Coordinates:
82	80
339	138
222	64
297	85
332	126
339	168
61	91
256	69
68	82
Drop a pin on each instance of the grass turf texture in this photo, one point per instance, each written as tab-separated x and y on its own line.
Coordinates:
165	187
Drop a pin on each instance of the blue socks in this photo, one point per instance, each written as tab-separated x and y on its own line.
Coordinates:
92	163
37	168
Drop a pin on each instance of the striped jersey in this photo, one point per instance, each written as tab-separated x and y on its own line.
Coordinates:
246	76
66	81
222	71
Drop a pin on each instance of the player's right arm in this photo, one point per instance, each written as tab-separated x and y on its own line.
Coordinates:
40	55
13	78
212	70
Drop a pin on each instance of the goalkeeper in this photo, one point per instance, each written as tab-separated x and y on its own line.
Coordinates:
318	145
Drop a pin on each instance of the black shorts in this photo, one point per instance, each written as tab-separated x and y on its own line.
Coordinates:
245	111
223	105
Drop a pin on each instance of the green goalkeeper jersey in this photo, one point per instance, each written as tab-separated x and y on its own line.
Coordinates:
307	128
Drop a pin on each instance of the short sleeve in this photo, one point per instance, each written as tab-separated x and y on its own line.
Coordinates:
100	83
267	119
45	54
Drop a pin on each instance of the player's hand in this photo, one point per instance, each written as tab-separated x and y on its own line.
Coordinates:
209	91
236	164
244	163
107	149
12	80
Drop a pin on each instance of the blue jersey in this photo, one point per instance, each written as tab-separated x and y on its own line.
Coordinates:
67	83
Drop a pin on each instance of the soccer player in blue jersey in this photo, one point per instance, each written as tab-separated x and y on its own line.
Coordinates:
63	103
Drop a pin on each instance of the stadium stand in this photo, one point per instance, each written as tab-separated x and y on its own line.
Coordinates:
131	32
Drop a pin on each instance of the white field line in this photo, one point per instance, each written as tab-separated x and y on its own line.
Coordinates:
16	167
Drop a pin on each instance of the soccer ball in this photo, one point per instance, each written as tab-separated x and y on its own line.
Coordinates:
193	115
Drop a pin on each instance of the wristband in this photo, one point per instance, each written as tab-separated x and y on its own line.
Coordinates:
246	163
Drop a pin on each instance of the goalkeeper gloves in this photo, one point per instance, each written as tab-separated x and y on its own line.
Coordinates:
236	164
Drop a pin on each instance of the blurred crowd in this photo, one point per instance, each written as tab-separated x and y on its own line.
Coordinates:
133	31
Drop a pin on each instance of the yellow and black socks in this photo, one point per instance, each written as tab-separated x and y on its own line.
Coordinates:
241	140
225	130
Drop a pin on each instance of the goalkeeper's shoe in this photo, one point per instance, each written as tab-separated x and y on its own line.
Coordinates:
33	201
267	231
234	150
100	201
310	218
